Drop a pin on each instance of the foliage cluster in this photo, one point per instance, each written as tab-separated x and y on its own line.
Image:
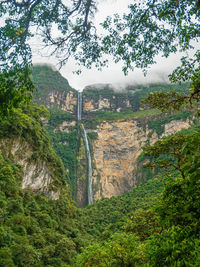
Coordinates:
122	249
65	144
92	135
57	116
120	227
34	230
15	89
106	216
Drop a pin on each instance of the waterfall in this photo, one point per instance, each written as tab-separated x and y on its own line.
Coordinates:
79	106
90	196
79	111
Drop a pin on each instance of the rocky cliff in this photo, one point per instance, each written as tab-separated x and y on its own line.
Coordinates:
24	141
37	175
116	150
118	98
54	90
63	100
103	97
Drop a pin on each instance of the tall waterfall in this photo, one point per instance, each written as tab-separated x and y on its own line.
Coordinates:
79	111
90	196
79	106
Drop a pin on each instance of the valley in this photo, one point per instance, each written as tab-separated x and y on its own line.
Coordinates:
92	147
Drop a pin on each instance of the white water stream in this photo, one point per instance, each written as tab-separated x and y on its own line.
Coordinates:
79	113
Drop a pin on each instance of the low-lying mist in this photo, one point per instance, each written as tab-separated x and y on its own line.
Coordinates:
151	78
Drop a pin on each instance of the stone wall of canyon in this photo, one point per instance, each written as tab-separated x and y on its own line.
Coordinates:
115	154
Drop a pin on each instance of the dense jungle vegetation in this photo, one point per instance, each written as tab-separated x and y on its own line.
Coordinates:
35	230
153	225
65	144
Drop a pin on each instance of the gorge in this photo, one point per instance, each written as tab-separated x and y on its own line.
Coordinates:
115	127
89	146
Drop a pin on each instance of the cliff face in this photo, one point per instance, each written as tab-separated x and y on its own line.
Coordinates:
114	103
63	100
106	99
54	90
115	154
24	141
37	175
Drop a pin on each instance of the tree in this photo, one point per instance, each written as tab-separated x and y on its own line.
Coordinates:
73	20
150	27
15	89
121	250
18	19
179	210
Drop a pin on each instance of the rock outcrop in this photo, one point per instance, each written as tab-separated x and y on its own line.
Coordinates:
54	90
66	100
36	173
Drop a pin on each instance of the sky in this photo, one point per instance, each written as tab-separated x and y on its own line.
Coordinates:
113	74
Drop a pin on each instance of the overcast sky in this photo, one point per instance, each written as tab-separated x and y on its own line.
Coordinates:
113	74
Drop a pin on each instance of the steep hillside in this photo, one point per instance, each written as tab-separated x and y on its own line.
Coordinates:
25	142
106	216
54	90
63	133
38	225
